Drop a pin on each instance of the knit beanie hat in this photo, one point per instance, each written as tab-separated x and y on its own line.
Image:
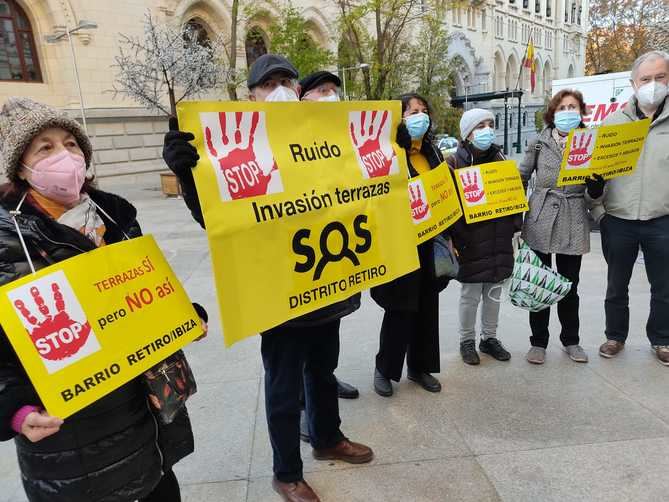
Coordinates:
21	119
471	118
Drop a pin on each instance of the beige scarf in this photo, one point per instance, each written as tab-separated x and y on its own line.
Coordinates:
84	218
559	139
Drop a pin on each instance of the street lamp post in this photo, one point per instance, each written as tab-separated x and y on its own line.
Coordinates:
56	37
343	74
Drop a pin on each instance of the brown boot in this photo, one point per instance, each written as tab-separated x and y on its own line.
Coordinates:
611	348
299	491
346	451
662	353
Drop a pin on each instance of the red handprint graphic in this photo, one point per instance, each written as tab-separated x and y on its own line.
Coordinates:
56	336
420	209
582	146
472	186
245	160
371	139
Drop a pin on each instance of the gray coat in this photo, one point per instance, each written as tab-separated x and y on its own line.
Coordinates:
644	194
557	221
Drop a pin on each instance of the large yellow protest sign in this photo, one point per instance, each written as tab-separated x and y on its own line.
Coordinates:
434	202
610	151
305	204
491	190
85	326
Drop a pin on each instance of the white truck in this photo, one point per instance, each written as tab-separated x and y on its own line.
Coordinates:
603	94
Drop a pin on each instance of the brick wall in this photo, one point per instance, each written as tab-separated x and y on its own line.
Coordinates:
125	141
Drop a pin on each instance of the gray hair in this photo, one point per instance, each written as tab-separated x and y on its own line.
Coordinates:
649	56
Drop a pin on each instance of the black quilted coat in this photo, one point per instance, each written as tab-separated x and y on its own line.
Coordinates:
485	249
113	450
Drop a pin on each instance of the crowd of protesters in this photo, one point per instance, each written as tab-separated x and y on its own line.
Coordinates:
116	450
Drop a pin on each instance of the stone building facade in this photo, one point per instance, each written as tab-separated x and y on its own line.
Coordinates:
488	44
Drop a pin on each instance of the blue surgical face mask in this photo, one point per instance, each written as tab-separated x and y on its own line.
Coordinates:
417	125
566	120
483	138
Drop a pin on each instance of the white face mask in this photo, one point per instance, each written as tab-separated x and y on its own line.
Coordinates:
650	95
332	98
282	94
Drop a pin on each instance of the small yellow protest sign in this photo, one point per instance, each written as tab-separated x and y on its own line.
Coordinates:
434	202
610	151
85	326
305	204
491	190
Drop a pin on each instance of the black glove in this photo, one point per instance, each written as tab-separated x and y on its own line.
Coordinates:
201	312
595	186
403	137
180	156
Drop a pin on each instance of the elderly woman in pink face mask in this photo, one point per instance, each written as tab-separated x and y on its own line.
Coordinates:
114	450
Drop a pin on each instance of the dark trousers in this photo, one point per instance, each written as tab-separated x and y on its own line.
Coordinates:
411	334
167	489
570	267
621	240
296	358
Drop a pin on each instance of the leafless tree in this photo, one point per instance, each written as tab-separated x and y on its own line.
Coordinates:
167	65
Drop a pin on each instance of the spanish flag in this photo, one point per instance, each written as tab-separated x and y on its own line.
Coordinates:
530	63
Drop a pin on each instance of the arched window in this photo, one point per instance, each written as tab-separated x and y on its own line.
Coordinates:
255	45
497	119
201	34
524	119
18	52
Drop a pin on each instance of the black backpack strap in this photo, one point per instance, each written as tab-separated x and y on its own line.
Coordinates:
537	149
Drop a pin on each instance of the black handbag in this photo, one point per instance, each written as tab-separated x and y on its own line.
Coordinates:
169	384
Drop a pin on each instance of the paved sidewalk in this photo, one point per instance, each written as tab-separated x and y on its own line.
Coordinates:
498	432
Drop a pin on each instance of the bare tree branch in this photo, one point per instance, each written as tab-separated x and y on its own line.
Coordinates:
167	61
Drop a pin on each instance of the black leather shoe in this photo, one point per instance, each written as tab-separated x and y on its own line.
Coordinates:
468	352
425	380
494	348
382	385
304	427
346	390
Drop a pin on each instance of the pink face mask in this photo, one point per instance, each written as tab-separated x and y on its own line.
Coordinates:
59	177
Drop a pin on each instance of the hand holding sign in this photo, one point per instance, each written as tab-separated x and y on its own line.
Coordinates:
87	325
247	173
338	224
609	151
178	153
434	203
38	426
366	130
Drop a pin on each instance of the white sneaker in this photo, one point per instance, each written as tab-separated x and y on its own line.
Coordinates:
576	353
536	355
